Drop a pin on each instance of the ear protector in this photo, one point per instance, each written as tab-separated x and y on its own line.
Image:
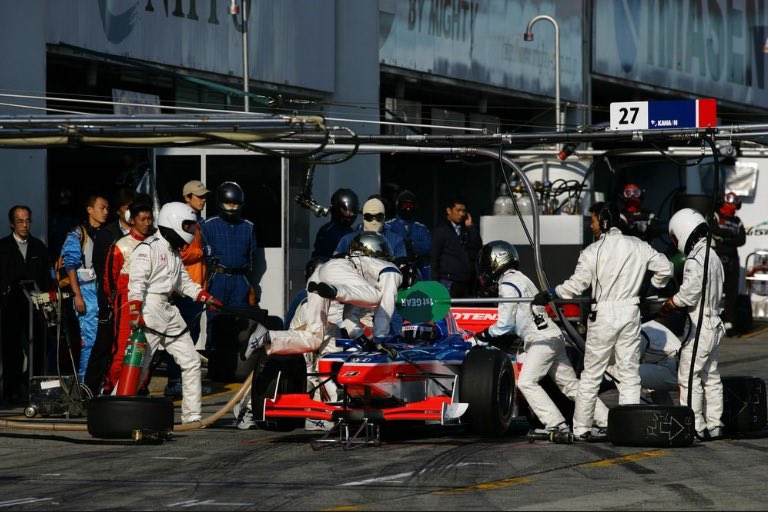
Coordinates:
606	220
127	215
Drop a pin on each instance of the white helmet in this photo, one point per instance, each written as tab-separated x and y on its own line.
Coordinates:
686	227
180	218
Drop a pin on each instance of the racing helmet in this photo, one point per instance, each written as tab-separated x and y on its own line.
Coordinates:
406	205
425	332
229	193
370	244
177	223
686	227
411	273
494	259
343	203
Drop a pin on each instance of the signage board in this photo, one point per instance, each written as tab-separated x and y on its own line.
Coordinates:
663	115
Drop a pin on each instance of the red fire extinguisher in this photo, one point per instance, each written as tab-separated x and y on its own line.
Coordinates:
132	362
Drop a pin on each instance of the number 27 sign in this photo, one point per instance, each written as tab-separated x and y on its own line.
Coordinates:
663	115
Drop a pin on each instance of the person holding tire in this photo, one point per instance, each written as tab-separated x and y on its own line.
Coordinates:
156	271
614	266
688	231
497	270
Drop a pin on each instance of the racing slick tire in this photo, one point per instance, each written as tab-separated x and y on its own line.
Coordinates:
117	417
744	400
487	384
651	426
293	379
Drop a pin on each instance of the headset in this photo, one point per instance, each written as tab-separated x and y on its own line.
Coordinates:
606	220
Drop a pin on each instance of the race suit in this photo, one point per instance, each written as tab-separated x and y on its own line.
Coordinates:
707	386
415	235
155	273
614	266
728	234
115	287
395	241
640	223
544	351
359	281
233	249
78	256
758	291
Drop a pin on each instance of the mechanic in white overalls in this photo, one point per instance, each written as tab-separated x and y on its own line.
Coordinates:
543	341
365	278
156	271
614	266
688	230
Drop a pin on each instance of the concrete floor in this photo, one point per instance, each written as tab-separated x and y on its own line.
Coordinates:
223	468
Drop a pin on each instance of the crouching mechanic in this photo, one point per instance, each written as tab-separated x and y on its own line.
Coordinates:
688	231
364	278
156	271
614	266
544	345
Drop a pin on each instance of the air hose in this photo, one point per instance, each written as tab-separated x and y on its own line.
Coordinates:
184	427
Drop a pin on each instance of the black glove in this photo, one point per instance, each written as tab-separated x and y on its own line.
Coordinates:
542	298
326	291
484	337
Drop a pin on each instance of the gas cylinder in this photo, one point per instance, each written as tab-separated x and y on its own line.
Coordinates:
132	362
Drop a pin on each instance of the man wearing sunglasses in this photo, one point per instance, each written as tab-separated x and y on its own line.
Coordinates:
635	220
373	222
728	234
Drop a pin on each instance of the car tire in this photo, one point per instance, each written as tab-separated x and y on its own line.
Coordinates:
293	379
744	405
651	426
487	384
116	417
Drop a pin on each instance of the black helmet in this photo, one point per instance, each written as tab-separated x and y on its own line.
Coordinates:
370	244
410	271
406	205
426	332
343	202
230	192
494	259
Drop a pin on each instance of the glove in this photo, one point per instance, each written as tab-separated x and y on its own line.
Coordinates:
209	300
484	337
542	298
324	290
381	347
668	307
136	319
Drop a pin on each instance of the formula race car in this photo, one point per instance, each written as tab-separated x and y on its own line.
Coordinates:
427	373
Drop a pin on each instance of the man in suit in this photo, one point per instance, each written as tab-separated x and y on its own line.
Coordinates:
22	258
455	245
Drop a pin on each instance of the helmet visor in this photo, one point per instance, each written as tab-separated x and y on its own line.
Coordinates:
731	198
631	192
189	226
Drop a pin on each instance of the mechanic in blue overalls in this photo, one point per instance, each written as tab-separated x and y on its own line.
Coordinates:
230	246
373	222
415	234
344	209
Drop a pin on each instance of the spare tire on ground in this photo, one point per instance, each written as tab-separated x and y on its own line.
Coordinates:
293	379
652	426
744	404
117	417
487	384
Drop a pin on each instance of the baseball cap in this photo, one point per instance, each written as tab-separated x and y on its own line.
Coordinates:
195	187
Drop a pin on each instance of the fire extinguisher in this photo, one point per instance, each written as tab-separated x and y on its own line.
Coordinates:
132	363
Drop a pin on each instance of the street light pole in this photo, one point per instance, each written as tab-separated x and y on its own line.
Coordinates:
528	36
233	10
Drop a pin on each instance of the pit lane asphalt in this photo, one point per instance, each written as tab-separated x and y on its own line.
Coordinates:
223	468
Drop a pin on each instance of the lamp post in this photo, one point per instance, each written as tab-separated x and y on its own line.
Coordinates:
235	9
528	36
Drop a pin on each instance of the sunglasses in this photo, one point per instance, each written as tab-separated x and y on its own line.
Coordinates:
370	217
632	192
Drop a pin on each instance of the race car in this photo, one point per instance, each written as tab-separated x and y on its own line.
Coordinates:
430	373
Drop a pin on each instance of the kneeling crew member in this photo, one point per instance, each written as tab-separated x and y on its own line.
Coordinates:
688	230
156	272
544	345
614	266
365	278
